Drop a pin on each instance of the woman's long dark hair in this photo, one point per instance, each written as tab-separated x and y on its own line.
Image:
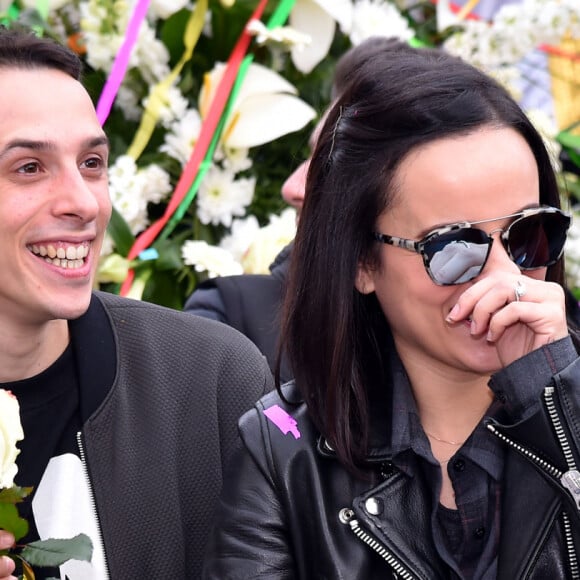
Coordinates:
336	338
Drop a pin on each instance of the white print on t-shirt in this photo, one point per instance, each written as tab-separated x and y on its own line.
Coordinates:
62	508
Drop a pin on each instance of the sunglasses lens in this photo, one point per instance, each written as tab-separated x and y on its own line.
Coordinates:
457	256
538	240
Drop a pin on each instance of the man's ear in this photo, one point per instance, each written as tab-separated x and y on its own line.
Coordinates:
364	282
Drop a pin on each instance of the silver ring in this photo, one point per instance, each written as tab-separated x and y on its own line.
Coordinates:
520	290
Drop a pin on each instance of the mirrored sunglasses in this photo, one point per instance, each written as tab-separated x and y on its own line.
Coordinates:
457	253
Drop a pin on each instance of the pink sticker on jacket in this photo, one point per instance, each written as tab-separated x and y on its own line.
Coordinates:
286	423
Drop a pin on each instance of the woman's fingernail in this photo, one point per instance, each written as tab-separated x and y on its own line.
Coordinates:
453	314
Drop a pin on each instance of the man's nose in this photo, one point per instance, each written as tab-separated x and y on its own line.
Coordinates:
294	187
74	196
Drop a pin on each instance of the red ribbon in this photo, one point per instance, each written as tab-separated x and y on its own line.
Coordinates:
147	237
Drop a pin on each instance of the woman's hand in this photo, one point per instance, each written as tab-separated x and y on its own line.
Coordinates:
517	323
6	564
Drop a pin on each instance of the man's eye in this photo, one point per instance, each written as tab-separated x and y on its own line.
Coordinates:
93	163
29	168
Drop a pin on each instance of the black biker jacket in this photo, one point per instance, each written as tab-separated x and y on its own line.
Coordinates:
289	510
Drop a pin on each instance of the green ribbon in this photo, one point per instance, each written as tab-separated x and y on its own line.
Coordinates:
278	18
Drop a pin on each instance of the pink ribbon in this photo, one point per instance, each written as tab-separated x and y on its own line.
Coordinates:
119	69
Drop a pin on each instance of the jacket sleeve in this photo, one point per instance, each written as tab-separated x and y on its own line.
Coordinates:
541	419
207	302
248	538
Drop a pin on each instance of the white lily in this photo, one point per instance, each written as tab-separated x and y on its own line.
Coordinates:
265	108
318	19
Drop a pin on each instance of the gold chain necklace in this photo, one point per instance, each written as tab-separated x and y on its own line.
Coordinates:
454	443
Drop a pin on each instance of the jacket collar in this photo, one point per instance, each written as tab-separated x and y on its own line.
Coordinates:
94	346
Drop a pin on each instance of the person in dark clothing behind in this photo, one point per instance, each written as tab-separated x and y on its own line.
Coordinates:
129	410
436	396
251	302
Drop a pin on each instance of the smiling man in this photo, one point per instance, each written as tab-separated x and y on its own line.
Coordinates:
128	408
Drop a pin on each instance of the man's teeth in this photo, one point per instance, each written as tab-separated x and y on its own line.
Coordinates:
69	257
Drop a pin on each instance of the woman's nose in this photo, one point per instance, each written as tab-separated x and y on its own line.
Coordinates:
499	258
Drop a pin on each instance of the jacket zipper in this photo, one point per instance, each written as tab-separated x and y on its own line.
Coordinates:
93	503
346	516
570	479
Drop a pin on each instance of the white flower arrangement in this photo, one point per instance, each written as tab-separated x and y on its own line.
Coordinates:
225	209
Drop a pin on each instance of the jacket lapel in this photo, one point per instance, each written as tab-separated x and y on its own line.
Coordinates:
398	514
529	510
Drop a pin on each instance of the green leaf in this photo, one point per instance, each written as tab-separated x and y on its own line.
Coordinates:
11	521
165	288
14	494
121	234
169	254
55	552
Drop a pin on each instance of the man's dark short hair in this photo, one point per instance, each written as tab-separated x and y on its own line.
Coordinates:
23	49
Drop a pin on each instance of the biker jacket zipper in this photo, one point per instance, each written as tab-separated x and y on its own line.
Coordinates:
347	517
570	480
93	503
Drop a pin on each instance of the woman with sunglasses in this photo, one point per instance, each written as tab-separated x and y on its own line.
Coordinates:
433	427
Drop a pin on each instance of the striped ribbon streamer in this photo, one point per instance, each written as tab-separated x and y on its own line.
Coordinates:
147	237
157	96
278	18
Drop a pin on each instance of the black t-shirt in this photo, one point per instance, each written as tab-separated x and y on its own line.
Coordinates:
49	412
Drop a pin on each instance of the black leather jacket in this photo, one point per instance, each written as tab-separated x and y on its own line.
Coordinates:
289	510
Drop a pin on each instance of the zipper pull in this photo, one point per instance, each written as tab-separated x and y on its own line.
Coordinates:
571	481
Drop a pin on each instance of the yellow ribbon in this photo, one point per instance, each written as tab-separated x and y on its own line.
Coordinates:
158	95
465	11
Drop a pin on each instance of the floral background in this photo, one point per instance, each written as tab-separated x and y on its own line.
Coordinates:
232	219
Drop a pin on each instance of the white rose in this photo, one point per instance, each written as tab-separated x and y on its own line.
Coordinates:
10	433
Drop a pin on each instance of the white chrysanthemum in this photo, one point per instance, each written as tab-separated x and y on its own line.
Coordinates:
103	24
211	259
173	106
156	183
234	159
221	196
269	241
131	189
378	18
242	234
182	136
150	55
102	50
127	101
